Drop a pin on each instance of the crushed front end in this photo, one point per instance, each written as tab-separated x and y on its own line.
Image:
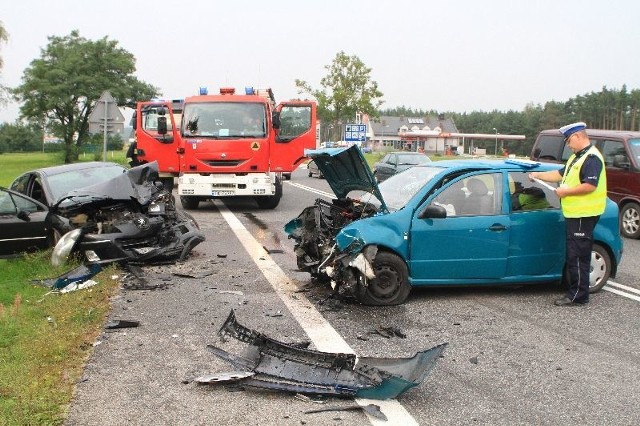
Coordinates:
315	231
131	218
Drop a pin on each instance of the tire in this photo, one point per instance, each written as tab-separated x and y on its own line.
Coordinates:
600	268
189	203
272	201
630	220
310	174
391	285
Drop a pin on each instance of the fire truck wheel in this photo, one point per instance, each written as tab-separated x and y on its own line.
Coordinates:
189	203
271	202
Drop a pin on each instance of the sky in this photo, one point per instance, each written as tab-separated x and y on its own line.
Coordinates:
460	56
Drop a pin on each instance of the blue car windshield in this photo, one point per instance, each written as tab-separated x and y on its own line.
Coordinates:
398	189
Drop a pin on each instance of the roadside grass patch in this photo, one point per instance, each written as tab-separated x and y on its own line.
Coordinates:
45	338
14	164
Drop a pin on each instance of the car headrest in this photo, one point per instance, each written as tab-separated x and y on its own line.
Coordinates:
477	187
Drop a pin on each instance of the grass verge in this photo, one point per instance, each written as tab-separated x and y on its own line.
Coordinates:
45	339
16	163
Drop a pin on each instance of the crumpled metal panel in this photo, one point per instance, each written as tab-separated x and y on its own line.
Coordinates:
282	366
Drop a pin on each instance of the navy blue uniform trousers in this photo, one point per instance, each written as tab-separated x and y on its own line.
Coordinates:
579	233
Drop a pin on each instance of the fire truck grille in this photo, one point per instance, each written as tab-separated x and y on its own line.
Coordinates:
223	163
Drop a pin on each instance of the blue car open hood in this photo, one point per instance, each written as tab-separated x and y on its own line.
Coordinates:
346	170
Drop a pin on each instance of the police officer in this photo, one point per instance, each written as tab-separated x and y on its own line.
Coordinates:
583	195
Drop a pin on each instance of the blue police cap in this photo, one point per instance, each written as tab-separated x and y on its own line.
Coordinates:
570	129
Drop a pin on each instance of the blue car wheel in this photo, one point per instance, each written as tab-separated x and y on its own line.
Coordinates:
391	284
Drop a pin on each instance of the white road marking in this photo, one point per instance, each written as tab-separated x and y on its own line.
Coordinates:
323	336
310	189
622	290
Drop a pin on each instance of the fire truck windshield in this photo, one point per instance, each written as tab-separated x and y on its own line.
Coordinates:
228	120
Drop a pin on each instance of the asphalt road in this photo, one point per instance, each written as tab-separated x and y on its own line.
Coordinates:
513	357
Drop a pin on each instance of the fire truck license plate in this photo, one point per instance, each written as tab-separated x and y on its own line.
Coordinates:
221	193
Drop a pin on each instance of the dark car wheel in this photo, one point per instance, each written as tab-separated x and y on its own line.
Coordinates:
391	284
630	220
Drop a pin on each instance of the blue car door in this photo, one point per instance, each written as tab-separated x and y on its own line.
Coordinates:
469	245
537	230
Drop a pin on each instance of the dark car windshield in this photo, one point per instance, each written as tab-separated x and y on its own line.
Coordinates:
64	182
413	159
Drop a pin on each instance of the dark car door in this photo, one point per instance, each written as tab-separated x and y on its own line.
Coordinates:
23	224
471	243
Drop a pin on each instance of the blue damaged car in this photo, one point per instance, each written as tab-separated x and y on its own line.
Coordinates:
445	223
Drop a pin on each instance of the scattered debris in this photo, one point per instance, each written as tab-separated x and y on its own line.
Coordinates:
280	366
222	256
78	286
272	251
389	332
121	324
76	275
372	409
201	274
236	292
473	360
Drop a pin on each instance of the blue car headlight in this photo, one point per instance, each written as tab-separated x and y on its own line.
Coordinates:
65	245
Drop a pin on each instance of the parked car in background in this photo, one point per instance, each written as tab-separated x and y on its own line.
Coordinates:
445	223
396	162
621	152
23	224
313	170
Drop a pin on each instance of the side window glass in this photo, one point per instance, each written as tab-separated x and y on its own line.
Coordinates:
478	195
452	199
37	193
27	205
527	195
6	204
20	185
614	153
294	121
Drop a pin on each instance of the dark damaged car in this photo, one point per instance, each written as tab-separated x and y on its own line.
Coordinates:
445	223
130	218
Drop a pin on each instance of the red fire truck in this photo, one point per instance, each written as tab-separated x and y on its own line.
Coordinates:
225	145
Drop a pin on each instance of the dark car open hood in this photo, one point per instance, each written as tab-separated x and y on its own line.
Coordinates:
137	183
346	170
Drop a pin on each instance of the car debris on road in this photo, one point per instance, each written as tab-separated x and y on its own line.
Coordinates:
275	365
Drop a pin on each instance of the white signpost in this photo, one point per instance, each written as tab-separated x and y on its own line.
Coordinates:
106	117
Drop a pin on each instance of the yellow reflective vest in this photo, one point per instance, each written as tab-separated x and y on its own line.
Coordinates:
584	205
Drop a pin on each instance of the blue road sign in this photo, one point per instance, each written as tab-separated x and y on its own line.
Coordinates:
355	132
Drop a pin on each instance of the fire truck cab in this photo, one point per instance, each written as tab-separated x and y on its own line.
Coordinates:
225	145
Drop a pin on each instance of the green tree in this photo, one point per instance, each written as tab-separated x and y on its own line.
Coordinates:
20	137
63	85
347	90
